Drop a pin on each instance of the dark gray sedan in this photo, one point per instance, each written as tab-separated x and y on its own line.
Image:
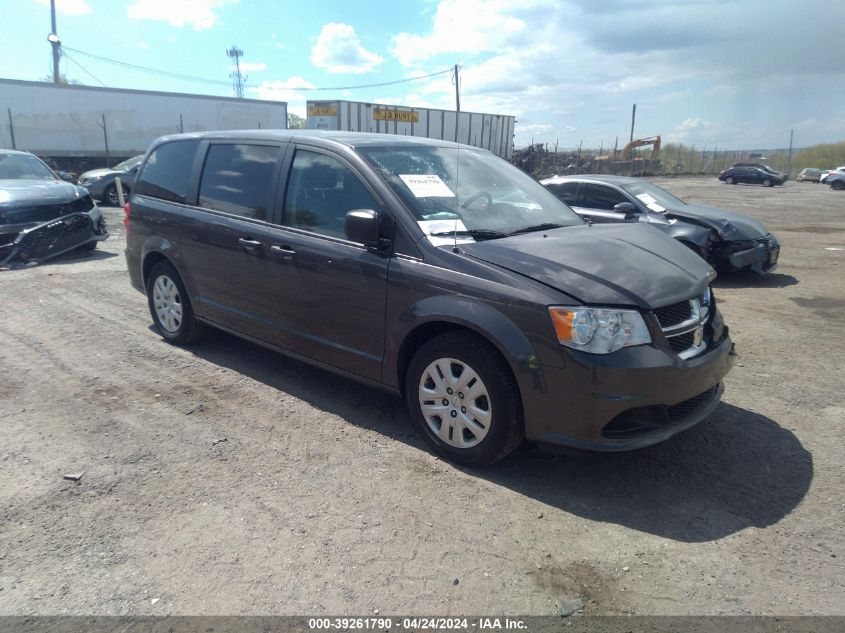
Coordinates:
101	182
728	240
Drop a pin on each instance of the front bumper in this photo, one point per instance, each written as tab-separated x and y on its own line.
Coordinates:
632	398
760	255
37	242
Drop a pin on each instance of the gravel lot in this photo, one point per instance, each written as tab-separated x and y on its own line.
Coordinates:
226	479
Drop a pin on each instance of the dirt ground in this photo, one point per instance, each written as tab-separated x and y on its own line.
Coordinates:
226	479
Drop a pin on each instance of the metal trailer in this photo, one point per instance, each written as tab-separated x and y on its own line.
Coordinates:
60	120
489	131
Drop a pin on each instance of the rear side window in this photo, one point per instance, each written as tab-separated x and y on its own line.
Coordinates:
600	197
239	179
566	191
320	191
168	171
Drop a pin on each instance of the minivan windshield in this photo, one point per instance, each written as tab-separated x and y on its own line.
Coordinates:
468	191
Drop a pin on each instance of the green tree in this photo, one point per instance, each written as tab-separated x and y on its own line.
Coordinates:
826	156
295	122
62	80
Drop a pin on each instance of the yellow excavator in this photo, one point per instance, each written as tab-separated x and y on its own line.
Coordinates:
640	164
654	141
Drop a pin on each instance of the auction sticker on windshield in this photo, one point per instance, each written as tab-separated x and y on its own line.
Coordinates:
651	203
427	186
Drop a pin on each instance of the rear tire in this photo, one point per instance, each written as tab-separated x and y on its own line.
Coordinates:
482	420
170	306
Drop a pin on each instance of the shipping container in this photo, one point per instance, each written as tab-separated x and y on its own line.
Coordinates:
60	120
490	131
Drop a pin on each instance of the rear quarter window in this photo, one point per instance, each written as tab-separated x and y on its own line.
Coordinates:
167	173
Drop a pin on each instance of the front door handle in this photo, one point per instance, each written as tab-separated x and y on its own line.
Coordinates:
250	245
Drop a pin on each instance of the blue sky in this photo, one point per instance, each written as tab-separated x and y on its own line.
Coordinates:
732	74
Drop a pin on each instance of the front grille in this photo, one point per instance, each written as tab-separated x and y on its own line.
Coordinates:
769	241
681	322
682	342
674	314
683	410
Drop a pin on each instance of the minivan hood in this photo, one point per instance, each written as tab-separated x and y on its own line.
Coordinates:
18	193
605	264
748	227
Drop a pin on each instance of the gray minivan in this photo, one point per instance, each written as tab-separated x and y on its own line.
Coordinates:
436	271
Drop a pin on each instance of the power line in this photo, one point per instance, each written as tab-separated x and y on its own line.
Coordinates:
155	71
165	73
386	83
85	70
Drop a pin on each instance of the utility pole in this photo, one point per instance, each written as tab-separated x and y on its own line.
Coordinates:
789	160
578	159
633	118
11	128
105	138
237	79
457	91
55	42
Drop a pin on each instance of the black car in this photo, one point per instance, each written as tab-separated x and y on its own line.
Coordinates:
753	175
433	270
41	216
728	240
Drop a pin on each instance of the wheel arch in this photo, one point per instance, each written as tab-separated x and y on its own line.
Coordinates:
156	249
438	315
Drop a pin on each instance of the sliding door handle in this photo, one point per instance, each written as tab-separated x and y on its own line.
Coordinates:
250	245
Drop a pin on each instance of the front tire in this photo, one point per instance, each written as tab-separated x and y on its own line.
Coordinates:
481	421
838	185
170	306
730	180
111	197
767	183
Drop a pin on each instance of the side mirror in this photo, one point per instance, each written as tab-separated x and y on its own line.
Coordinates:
362	225
625	207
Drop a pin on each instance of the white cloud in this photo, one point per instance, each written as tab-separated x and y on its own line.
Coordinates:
200	14
461	26
68	7
284	91
143	44
250	67
696	74
338	50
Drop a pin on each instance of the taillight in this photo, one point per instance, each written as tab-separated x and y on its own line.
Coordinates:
126	214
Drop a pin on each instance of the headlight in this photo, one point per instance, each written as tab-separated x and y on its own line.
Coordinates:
90	179
729	230
599	330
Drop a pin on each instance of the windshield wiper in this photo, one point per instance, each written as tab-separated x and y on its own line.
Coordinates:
537	227
481	234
